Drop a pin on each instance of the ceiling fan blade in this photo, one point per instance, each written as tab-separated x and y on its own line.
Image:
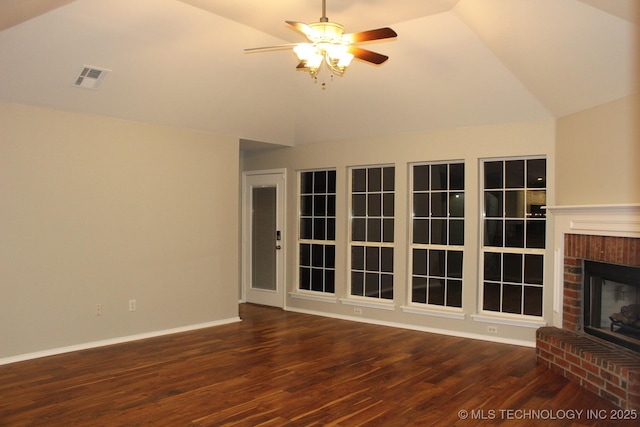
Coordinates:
301	27
367	55
267	48
365	36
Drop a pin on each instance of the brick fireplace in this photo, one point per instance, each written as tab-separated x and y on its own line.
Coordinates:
609	234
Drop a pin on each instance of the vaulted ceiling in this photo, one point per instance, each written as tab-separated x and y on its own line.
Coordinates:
454	63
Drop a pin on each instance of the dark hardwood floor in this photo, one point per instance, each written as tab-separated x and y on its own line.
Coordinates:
279	368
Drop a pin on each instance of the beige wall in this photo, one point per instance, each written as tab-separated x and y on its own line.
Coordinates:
100	211
468	144
598	155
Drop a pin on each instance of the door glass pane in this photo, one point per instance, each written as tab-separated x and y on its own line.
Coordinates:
263	238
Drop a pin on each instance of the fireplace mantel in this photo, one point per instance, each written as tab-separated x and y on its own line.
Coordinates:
622	220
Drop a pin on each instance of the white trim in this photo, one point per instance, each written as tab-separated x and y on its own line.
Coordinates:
313	297
112	341
534	324
435	313
370	304
522	343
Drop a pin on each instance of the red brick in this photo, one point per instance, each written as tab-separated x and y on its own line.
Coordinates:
610	377
578	371
610	397
613	389
590	367
594	379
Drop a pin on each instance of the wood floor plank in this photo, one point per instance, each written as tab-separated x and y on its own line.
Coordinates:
277	368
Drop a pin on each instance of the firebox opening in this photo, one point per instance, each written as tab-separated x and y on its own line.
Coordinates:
612	303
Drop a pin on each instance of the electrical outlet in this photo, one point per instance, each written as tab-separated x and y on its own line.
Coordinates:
357	310
98	309
132	305
492	329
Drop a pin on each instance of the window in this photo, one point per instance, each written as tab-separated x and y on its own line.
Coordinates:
317	231
437	233
372	222
514	192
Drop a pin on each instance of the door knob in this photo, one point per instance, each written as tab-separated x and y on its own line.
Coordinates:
278	247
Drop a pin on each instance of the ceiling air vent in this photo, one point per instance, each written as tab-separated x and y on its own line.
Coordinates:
90	77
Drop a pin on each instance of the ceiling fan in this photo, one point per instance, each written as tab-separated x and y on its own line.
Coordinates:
329	45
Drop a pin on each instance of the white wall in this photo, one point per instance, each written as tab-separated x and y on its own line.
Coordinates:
598	154
468	144
100	211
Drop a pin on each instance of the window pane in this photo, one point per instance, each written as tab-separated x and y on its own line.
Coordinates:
389	178
419	290
420	262
493	204
388	204
372	285
306	228
306	205
436	263
493	266
421	177
514	234
359	227
454	264
514	204
359	205
491	297
331	205
319	229
493	175
533	268
533	300
386	286
330	281
420	231
439	179
372	258
317	279
359	180
306	182
454	293
331	181
305	278
514	174
330	256
357	257
436	291
317	255
512	268
357	283
456	205
535	201
388	233
439	206
331	229
386	260
512	299
535	234
320	182
456	232
421	205
305	255
493	233
375	179
374	230
320	205
536	173
456	176
374	205
439	231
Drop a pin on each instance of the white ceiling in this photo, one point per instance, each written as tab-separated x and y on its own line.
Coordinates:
455	63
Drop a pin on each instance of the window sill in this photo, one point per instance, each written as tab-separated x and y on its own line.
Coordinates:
435	313
535	324
313	297
370	304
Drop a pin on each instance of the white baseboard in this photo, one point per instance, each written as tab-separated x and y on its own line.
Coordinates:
119	340
522	343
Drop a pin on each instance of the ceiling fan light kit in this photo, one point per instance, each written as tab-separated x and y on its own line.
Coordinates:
330	46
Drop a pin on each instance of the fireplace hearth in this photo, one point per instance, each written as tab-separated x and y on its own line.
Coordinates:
612	303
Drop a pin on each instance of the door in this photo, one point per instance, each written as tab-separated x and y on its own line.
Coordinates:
263	238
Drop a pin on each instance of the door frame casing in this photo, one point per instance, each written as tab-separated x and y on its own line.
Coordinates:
281	204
